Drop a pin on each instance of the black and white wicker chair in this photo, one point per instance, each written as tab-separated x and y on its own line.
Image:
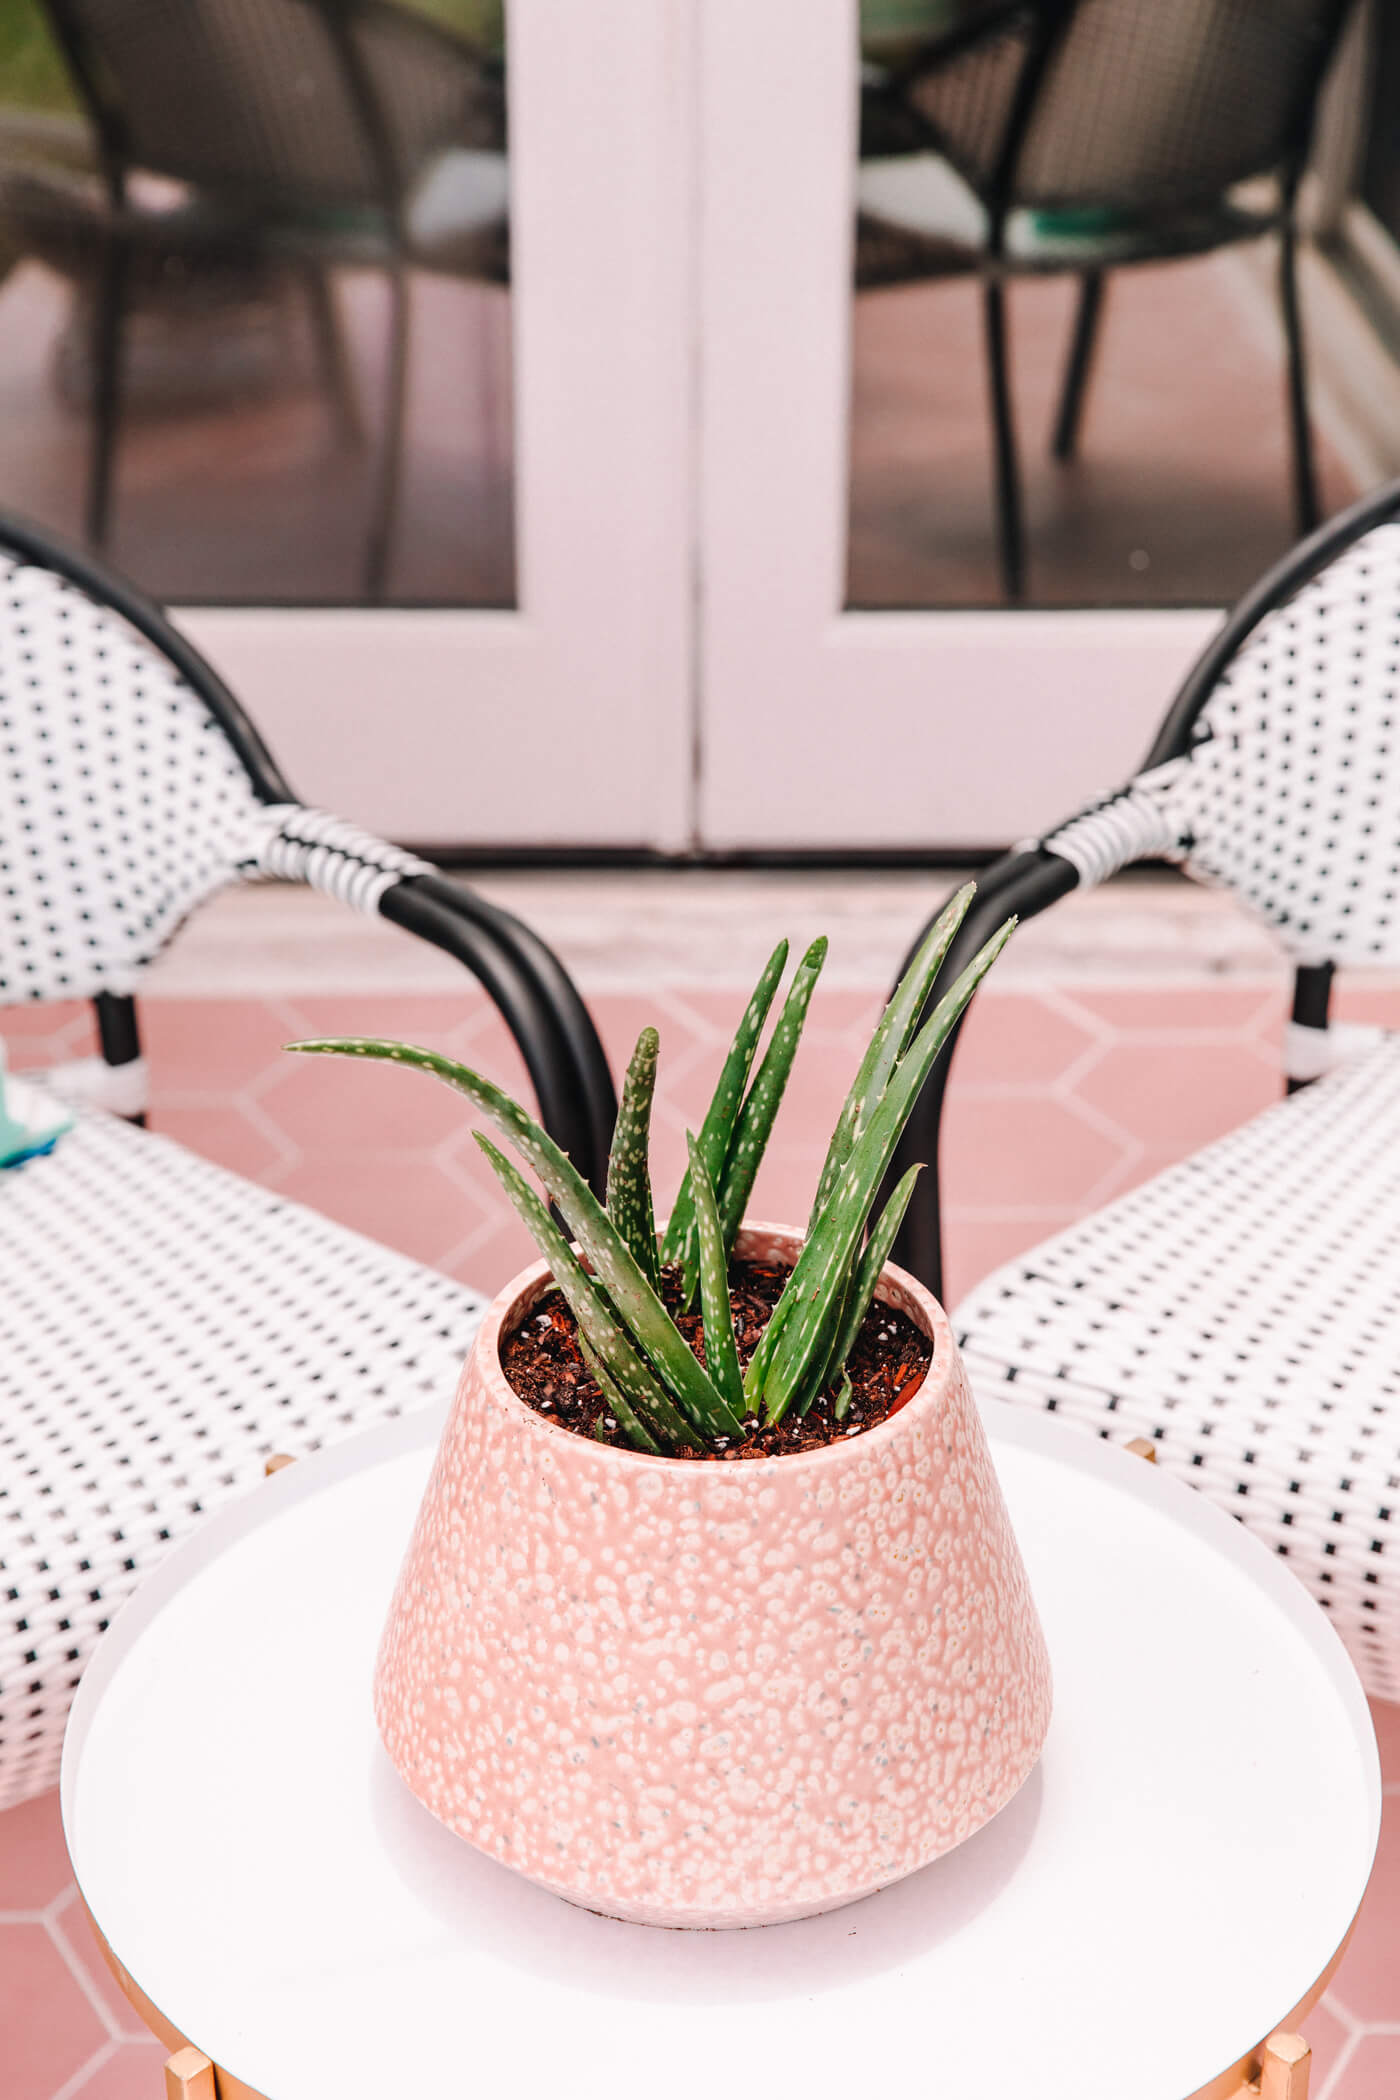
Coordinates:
1243	1309
164	1325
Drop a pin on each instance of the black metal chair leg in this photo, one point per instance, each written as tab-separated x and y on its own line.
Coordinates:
332	359
1305	498
108	315
118	1033
384	500
1081	358
1008	480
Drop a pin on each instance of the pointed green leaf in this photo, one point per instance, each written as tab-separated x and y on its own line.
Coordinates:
717	1128
610	1354
629	1178
890	1041
862	1287
844	1399
757	1370
755	1119
638	1304
721	1353
824	1263
631	1425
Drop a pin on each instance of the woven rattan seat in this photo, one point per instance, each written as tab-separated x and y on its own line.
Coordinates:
1243	1309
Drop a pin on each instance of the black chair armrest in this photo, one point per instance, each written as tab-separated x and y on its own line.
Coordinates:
1022	883
536	998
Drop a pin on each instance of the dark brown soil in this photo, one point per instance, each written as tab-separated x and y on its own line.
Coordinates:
542	1360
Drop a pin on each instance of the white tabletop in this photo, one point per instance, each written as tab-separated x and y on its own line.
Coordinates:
1170	1883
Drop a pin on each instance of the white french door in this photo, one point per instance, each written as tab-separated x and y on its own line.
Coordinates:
681	670
566	721
822	727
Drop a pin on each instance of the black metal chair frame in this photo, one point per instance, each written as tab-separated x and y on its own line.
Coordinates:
888	110
116	159
1028	881
525	980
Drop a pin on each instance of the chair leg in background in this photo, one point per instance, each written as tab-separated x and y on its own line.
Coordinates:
1305	500
1008	480
108	315
1083	344
332	357
384	497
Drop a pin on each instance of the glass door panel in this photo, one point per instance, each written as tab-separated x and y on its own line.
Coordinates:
355	332
863	643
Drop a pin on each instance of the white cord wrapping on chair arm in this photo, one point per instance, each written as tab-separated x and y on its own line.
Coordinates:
1311	1053
1136	823
295	844
88	1082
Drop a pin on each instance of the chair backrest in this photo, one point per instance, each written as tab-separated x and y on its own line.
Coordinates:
290	104
1130	104
1277	774
130	784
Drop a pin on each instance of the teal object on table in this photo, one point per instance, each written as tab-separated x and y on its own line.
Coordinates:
30	1123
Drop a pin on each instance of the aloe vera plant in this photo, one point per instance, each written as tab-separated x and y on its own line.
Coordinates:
615	1274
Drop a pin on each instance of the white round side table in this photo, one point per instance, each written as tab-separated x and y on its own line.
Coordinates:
1174	1883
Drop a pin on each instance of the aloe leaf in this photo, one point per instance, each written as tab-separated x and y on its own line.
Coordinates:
844	1398
631	1425
861	1290
721	1354
638	1304
717	1128
890	1041
629	1180
823	1264
757	1368
824	1344
610	1355
755	1119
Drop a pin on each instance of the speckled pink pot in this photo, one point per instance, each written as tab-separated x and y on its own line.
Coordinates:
699	1694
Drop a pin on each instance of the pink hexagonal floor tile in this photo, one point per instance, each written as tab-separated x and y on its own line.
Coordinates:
34	1864
1326	2037
48	2030
1371	2072
406	1202
497	1253
1158	1009
1016	1039
1022	1152
1180	1096
81	1949
330	1104
973	1247
40	1021
1385	1713
224	1132
211	1046
134	2071
1368	1981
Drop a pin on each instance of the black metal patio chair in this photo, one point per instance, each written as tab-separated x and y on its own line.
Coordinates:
1050	136
165	1324
306	135
1243	1309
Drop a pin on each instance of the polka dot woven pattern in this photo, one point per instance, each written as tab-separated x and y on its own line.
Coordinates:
123	805
1243	1311
164	1326
1291	795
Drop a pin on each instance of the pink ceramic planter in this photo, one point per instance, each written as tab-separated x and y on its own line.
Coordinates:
705	1694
